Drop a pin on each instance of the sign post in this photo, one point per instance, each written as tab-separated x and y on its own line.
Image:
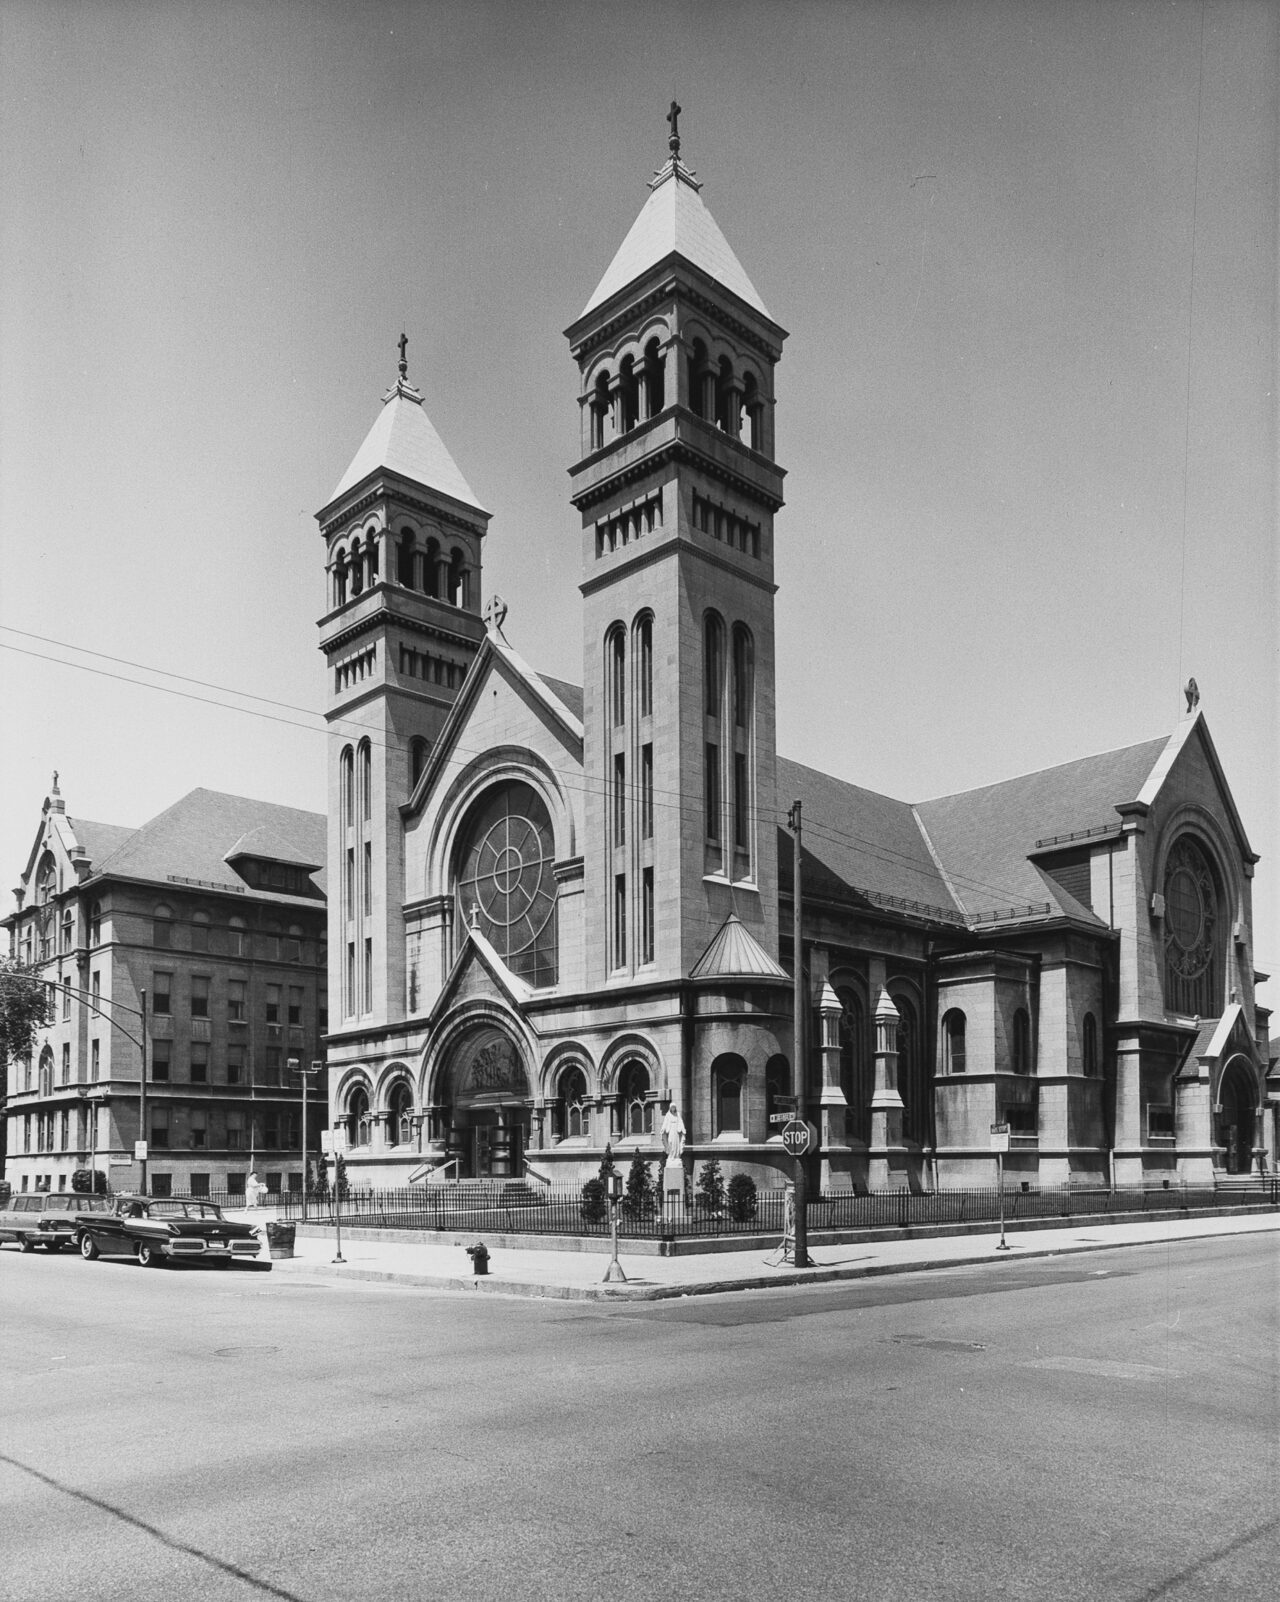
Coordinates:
800	1250
1000	1145
798	1138
613	1190
330	1146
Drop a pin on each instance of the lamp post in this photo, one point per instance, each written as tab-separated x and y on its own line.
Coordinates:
92	1097
306	1075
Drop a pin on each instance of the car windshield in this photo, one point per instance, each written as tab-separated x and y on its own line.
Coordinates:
183	1209
91	1204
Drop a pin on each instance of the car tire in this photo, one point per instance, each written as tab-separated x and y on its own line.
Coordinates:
88	1248
148	1255
25	1245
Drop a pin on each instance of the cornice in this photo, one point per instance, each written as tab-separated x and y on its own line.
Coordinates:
387	617
672	286
681	452
386	487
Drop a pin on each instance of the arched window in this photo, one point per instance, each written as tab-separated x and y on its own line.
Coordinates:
418	752
635	1110
431	569
628	395
728	1082
953	1047
95	924
357	568
400	1115
366	780
743	720
701	378
68	926
752	406
777	1087
371	557
1021	1041
712	699
405	552
1193	931
357	1118
712	664
506	880
855	1063
654	378
1089	1045
572	1116
239	938
727	401
615	655
599	411
162	926
457	580
200	931
644	665
340	578
46	1071
913	1084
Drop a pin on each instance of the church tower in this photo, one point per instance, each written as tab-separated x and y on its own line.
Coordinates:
677	487
403	535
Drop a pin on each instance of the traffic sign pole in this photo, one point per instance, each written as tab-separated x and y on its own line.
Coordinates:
801	1248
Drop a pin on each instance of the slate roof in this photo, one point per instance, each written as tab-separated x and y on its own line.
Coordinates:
191	839
98	839
674	219
569	695
735	953
267	842
404	441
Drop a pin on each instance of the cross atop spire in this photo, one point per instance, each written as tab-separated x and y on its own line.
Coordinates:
673	117
404	364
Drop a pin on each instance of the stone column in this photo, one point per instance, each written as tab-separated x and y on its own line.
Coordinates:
832	1104
886	1103
1128	1116
1193	1125
733	408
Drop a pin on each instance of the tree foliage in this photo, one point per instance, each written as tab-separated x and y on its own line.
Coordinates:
24	1010
711	1187
640	1199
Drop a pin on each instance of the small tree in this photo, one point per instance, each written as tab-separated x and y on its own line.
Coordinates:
711	1187
318	1180
742	1198
607	1166
341	1188
593	1201
639	1199
85	1180
24	1009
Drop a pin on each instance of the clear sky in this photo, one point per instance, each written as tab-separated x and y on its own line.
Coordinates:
1026	253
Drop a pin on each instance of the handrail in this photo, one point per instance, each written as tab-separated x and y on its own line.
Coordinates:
530	1172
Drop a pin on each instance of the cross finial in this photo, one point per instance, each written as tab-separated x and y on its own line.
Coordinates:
404	364
495	614
55	781
673	117
1192	693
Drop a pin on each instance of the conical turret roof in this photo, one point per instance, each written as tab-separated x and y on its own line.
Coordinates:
735	953
674	219
403	441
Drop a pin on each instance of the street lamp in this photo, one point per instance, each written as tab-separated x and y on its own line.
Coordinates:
306	1075
92	1097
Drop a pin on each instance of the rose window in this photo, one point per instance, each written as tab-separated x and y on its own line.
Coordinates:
506	887
1190	931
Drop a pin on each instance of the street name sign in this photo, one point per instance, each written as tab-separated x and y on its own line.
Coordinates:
139	1151
781	1118
797	1137
999	1137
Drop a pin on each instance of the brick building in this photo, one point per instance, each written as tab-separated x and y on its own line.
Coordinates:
216	910
557	909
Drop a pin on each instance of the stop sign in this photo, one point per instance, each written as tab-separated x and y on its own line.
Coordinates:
796	1137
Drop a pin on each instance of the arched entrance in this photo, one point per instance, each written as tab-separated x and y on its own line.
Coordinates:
487	1105
1234	1117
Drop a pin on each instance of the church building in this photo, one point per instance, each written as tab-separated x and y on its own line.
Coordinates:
556	910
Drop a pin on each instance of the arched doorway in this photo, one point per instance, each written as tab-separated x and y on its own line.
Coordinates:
1234	1117
487	1105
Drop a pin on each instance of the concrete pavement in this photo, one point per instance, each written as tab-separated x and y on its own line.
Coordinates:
579	1275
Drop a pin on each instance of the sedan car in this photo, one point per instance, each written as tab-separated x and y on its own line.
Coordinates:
48	1219
160	1230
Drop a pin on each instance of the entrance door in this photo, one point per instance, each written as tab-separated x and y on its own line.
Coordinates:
1235	1121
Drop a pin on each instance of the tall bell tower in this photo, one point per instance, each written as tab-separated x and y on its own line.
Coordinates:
677	487
403	534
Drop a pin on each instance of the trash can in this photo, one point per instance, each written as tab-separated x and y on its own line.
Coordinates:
280	1238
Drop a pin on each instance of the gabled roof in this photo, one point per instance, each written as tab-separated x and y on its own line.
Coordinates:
98	839
267	842
570	695
191	839
735	953
403	441
674	221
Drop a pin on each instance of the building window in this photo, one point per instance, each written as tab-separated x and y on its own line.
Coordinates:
235	1132
646	915
67	926
295	1006
619	799
199	995
366	781
506	880
198	1129
66	1063
66	997
646	792
953	1047
162	927
368	976
620	921
159	1136
236	992
273	1061
616	657
573	1118
95	924
711	789
634	1107
913	1085
1089	1045
160	1060
644	666
239	938
235	1065
271	1136
199	931
95	1063
357	1119
161	1003
199	1063
1021	1042
418	750
400	1115
367	896
1193	930
199	1184
741	802
273	1004
349	885
728	1075
349	989
712	665
346	789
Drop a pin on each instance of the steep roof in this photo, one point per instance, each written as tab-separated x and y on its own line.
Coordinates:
267	842
191	839
675	220
403	441
982	837
568	694
735	953
98	839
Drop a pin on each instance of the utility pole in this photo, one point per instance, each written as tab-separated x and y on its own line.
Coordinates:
142	1093
801	1248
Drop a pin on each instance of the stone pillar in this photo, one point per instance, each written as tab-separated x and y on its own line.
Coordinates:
1193	1125
676	372
886	1103
1128	1116
835	1173
442	578
733	409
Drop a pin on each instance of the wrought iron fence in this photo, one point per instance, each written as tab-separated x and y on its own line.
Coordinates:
563	1210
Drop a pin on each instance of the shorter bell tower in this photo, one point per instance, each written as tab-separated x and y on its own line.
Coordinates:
403	534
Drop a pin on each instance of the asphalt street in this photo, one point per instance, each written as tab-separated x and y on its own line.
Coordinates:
1100	1426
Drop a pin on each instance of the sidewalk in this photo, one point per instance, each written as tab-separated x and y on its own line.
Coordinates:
579	1276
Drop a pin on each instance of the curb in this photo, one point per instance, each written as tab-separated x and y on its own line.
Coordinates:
494	1286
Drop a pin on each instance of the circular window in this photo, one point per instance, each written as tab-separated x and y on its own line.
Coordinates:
507	880
1190	910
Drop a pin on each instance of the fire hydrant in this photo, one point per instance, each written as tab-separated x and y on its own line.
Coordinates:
479	1255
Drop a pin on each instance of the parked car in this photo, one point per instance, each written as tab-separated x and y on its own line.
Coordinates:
47	1218
159	1230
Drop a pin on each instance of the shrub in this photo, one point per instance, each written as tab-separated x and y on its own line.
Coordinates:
742	1197
607	1165
84	1180
340	1184
711	1187
639	1200
594	1204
